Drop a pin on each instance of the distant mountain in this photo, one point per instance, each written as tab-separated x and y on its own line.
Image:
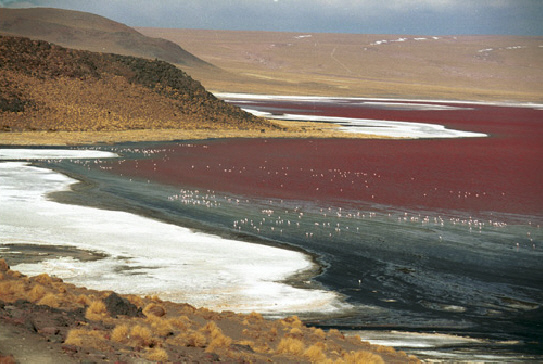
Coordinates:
48	87
92	32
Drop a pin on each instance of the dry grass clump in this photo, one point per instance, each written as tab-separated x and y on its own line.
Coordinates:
315	353
12	288
160	326
135	300
385	349
219	341
295	333
141	335
291	346
191	339
153	309
50	299
210	327
96	311
44	279
318	334
362	357
120	333
87	338
83	300
157	354
186	309
181	322
336	333
37	292
292	321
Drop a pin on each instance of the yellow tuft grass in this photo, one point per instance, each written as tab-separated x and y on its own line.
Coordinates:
362	357
187	309
141	335
315	353
15	274
181	322
290	346
60	287
87	338
36	293
160	326
50	299
218	341
295	333
386	349
44	279
12	288
135	300
191	338
157	354
318	333
83	299
209	327
292	321
96	311
255	316
336	333
120	333
153	309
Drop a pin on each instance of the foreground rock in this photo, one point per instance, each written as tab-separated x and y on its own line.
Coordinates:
44	319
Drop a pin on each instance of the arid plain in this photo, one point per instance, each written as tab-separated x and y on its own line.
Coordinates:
356	65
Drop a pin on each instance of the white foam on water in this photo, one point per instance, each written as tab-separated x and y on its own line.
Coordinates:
392	129
43	154
146	256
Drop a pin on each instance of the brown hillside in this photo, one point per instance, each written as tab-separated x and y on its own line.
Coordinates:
48	87
80	30
359	65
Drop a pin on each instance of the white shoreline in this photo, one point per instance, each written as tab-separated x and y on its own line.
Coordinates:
243	96
18	154
384	128
146	256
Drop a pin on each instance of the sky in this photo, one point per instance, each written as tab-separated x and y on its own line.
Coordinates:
410	17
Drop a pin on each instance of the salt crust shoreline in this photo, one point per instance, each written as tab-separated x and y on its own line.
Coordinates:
233	95
177	264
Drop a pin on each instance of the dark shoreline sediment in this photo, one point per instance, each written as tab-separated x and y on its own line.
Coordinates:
16	254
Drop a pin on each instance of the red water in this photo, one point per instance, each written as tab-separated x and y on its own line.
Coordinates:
501	173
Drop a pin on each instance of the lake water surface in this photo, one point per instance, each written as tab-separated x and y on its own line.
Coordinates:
414	237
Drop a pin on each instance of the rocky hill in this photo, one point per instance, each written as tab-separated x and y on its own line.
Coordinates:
81	30
48	87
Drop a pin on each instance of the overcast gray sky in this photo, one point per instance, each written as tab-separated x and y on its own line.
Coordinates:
424	17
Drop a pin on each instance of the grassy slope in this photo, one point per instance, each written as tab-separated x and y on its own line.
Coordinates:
354	65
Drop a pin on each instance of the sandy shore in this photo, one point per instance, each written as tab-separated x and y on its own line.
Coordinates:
65	138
